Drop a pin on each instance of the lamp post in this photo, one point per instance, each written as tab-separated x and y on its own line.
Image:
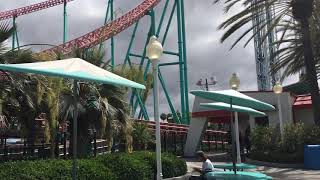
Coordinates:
277	89
154	51
234	83
213	81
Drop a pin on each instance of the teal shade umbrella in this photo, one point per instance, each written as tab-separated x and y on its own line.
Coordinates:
235	108
76	69
227	100
236	97
73	68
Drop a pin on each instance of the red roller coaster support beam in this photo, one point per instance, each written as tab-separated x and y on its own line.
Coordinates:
107	31
30	9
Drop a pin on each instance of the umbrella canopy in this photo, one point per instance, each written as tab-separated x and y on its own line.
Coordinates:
73	68
235	108
237	99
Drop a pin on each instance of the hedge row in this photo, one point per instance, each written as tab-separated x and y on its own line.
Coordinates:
119	166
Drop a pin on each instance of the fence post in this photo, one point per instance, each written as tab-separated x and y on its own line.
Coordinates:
94	143
42	150
5	149
24	147
65	145
175	141
216	140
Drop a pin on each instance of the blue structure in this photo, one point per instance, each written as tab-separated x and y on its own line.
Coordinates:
311	157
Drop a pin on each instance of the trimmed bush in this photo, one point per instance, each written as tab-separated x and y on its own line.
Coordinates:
268	146
127	166
119	166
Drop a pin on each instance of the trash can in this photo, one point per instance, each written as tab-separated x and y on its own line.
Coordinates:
312	157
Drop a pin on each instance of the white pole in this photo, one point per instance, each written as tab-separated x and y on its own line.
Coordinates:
237	137
156	117
280	115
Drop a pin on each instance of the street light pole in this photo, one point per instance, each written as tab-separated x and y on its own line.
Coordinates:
154	52
206	84
156	117
234	84
277	89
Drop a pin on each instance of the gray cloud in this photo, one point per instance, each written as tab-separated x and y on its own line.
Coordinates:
206	55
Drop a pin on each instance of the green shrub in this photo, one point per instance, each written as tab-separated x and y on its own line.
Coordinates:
145	163
293	138
119	166
127	166
263	138
172	166
312	135
89	169
268	146
141	136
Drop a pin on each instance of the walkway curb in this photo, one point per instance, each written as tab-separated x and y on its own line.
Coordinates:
271	164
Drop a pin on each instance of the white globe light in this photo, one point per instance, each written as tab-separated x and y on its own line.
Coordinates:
277	88
154	49
234	81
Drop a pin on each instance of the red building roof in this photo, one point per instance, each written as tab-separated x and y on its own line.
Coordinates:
302	101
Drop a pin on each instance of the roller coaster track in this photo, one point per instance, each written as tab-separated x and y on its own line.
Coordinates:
30	9
94	37
107	31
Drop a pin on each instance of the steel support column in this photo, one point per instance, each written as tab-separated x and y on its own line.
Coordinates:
181	65
65	36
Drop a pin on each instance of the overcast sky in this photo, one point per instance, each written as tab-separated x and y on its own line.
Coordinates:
206	56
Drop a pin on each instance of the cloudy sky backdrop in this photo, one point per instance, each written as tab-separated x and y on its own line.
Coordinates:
205	54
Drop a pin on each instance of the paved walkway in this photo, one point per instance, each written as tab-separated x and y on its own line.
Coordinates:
276	173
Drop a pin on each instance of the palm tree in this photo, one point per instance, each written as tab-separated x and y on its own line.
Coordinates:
135	73
101	107
288	13
18	89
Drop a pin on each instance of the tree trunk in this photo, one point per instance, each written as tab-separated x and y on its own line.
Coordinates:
311	69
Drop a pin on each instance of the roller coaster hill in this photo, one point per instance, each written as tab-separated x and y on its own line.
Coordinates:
158	16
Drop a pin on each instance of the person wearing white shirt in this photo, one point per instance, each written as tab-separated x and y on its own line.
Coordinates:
207	165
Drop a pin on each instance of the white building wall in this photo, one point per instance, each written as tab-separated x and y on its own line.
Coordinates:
269	97
305	116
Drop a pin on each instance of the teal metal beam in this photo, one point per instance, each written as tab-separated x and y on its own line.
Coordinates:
151	32
17	40
112	38
130	44
106	17
107	13
14	34
169	23
174	113
145	75
183	24
145	46
162	17
171	53
143	108
137	55
65	34
181	60
169	64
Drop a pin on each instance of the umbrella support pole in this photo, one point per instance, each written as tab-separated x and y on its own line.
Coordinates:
236	124
232	139
75	124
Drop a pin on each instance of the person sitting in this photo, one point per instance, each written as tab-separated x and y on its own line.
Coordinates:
207	165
